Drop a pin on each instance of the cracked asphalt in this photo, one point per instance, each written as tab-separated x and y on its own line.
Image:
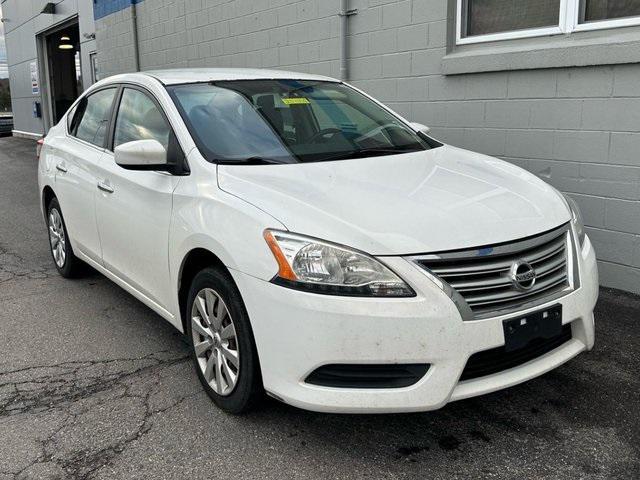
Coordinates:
94	385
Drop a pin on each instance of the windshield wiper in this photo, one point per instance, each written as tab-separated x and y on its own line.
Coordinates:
368	152
250	161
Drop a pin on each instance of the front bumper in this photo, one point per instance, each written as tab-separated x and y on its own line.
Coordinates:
297	332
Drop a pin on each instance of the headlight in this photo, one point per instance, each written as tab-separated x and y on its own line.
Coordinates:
576	218
321	267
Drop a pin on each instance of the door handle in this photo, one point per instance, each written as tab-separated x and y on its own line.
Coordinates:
105	187
61	167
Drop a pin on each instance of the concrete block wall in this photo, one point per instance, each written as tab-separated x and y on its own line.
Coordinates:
301	35
114	36
576	128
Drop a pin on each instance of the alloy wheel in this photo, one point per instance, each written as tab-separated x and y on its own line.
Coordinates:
57	238
215	341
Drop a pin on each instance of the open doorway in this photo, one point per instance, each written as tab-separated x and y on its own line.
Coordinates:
63	62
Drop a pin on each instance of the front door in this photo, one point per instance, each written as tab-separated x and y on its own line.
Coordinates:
133	208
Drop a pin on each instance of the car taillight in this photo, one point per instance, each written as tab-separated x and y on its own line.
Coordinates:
39	144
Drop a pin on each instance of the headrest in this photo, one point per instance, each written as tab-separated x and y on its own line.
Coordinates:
266	102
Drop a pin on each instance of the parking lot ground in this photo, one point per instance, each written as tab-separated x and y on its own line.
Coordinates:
95	385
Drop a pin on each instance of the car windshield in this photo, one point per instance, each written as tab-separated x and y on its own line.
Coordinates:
290	121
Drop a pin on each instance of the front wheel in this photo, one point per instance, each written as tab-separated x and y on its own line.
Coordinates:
67	264
222	345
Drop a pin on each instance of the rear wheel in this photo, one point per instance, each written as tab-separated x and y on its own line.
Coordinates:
67	264
222	345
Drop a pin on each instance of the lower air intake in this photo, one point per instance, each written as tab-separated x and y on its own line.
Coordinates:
367	376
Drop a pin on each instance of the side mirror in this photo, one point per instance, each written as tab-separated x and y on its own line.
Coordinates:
418	127
142	155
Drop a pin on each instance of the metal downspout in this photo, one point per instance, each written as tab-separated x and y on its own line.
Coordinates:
134	31
344	14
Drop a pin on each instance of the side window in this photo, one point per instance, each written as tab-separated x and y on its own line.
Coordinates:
92	117
140	119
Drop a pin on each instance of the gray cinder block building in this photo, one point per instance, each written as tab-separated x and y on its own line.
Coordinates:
550	85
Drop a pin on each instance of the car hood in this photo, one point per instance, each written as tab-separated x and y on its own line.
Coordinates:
445	198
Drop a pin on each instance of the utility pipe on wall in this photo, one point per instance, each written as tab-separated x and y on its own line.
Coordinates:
344	14
134	31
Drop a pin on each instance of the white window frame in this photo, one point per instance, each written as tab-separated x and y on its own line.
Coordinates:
93	59
568	22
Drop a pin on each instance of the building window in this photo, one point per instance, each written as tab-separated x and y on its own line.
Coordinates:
492	20
94	67
613	10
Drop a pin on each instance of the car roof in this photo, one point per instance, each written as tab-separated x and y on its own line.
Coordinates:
198	75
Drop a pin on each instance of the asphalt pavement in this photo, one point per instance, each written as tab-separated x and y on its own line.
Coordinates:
94	385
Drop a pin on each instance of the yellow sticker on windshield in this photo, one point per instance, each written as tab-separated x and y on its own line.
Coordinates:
295	101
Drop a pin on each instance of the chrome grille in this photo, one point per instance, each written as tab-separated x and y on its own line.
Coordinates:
481	276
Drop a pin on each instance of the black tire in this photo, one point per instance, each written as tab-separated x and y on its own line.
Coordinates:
248	390
72	266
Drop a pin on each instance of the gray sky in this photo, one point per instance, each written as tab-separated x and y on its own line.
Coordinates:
3	52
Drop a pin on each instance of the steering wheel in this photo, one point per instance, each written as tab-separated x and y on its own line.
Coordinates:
323	133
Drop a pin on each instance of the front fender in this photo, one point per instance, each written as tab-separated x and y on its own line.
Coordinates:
227	226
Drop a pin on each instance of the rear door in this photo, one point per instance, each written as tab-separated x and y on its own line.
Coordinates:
133	208
78	155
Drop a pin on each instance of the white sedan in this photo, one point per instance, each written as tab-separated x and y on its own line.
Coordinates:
313	244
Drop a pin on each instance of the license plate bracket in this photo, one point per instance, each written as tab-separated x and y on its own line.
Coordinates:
518	332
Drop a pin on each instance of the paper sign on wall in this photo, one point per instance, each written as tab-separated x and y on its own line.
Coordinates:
35	85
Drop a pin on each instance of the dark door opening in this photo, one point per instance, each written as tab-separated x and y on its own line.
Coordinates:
65	79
